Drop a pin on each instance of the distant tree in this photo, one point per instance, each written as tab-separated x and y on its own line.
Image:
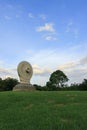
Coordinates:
50	86
9	83
1	84
74	86
37	87
83	85
57	80
79	86
0	80
40	88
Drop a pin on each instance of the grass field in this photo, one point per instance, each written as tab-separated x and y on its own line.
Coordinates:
63	110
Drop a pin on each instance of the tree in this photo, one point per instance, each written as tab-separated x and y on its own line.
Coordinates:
83	85
8	84
37	87
57	79
50	86
40	88
1	84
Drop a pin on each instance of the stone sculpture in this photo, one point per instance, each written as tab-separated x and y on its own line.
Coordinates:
25	73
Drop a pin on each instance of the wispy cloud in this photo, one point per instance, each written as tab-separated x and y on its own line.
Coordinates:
42	71
48	30
48	56
30	15
37	69
8	72
1	62
77	75
76	70
49	27
52	59
83	61
7	17
80	63
42	16
70	28
76	32
50	38
67	65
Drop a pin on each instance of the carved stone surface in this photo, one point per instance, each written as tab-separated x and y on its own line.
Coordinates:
24	86
25	73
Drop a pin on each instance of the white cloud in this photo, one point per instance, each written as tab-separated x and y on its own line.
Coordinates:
37	69
49	27
77	64
42	71
50	38
77	75
68	65
76	70
46	61
46	57
8	72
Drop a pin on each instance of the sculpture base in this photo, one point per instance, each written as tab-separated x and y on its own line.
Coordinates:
24	87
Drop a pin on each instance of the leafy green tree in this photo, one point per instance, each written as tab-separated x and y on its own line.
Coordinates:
8	84
57	79
37	87
50	86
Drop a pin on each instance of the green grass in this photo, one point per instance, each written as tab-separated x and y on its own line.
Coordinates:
63	110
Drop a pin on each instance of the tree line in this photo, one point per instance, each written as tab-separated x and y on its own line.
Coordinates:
7	84
57	82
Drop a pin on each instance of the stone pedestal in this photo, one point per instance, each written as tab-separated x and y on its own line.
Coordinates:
24	87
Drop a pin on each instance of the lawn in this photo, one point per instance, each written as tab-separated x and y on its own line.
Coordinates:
43	110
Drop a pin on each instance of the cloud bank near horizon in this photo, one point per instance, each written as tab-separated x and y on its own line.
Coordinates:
76	70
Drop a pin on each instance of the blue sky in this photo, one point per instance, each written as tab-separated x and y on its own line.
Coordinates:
50	34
